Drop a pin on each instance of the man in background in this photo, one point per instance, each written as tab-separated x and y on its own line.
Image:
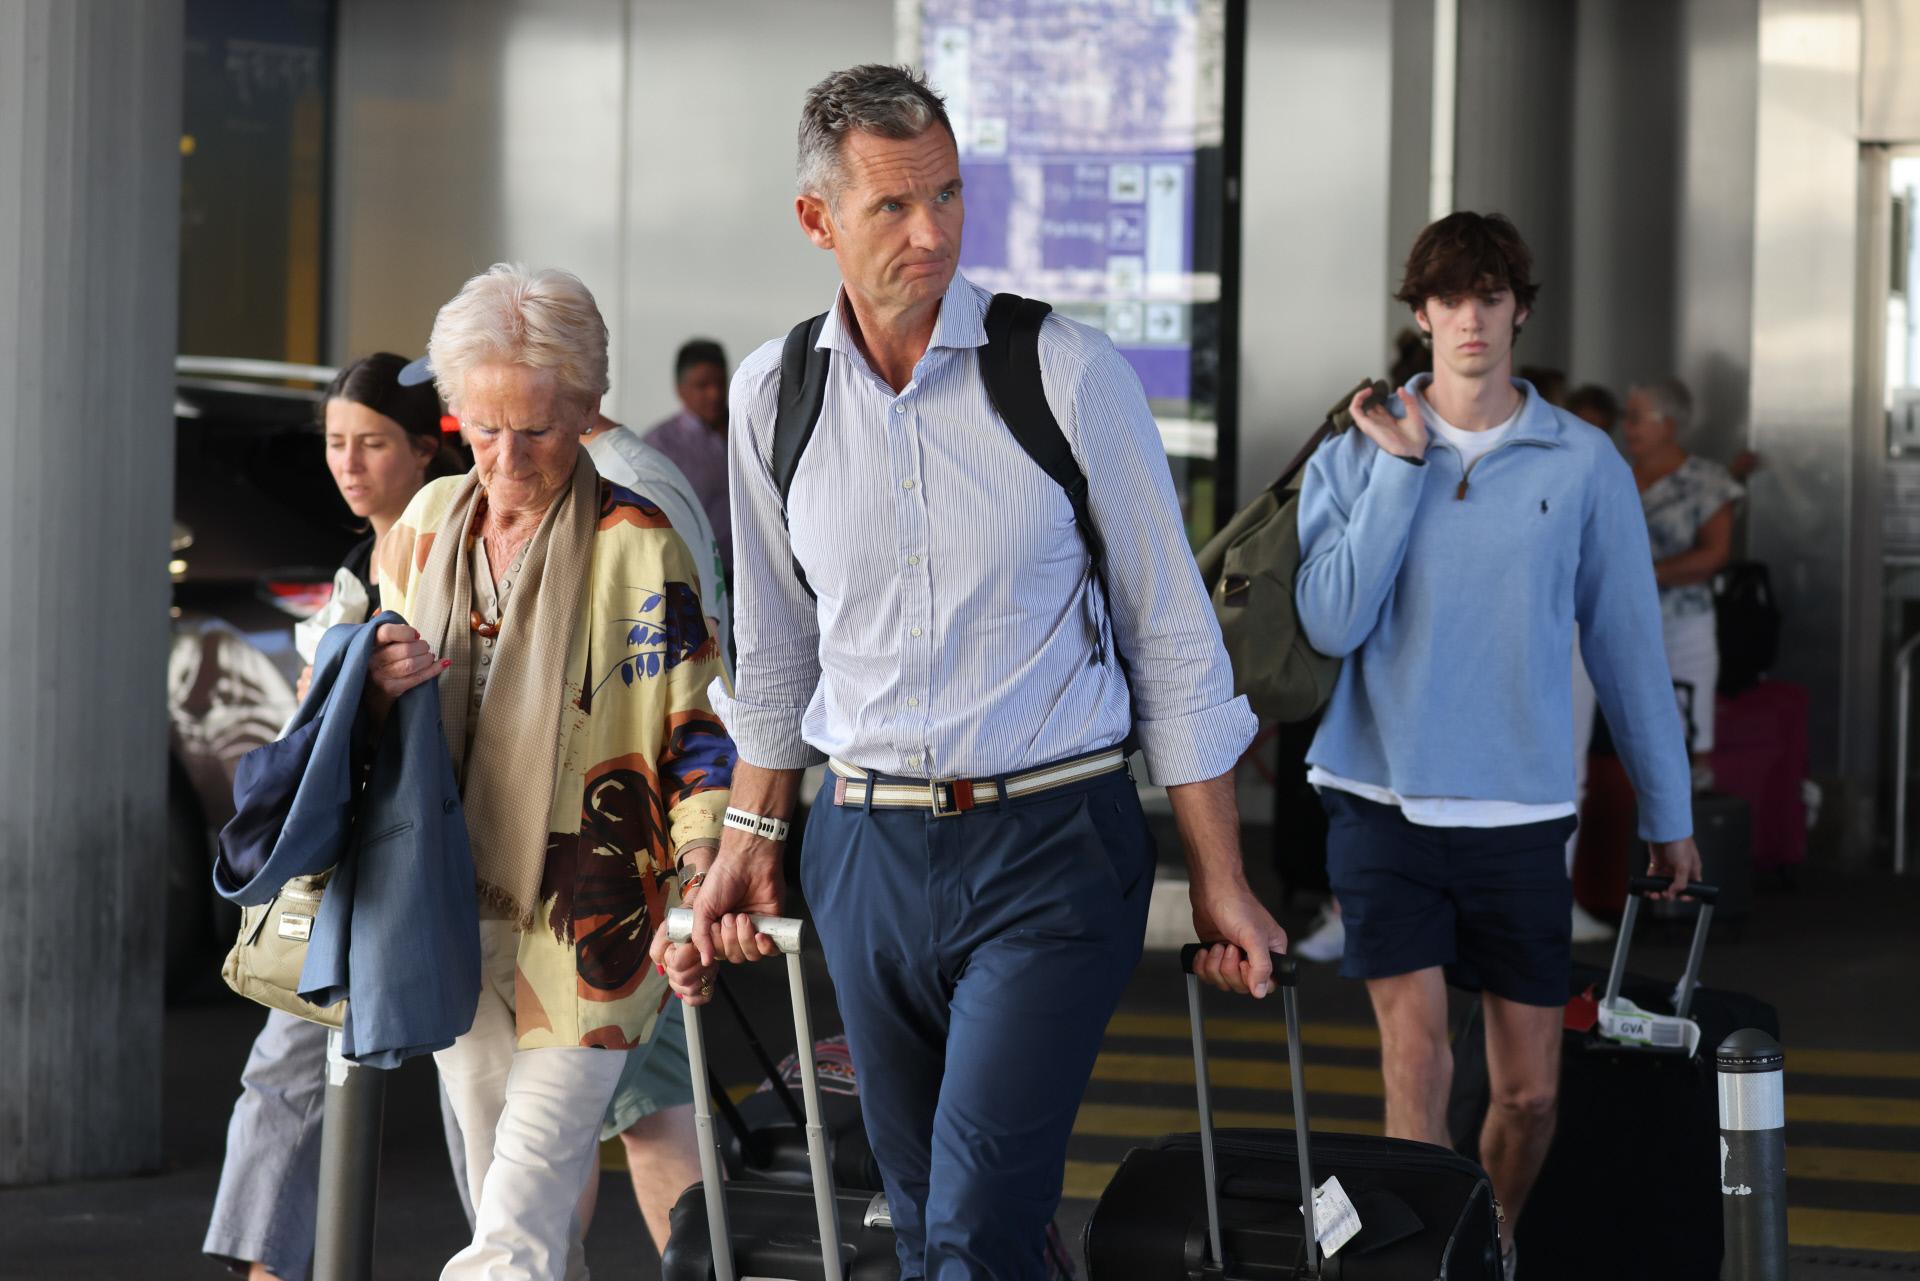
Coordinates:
696	437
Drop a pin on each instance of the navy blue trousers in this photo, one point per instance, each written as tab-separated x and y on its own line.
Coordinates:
977	959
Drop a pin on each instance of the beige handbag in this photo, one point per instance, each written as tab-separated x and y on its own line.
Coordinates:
266	959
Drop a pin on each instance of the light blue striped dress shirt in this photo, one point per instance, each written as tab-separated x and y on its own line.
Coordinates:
958	631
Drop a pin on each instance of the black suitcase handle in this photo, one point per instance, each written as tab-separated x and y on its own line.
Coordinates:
1637	887
1286	970
1661	884
789	935
1286	976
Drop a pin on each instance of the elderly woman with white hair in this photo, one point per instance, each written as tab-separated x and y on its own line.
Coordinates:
1689	504
562	617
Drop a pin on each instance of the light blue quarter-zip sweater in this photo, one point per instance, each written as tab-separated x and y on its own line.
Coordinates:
1452	597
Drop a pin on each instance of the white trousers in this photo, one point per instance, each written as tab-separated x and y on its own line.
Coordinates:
1693	654
531	1120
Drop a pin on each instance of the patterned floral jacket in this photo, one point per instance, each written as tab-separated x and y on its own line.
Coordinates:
645	769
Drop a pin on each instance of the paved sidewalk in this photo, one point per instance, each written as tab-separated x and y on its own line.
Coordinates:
1840	961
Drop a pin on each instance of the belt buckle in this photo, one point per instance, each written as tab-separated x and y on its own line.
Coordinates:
959	792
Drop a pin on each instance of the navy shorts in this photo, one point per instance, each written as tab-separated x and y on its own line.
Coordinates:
1491	905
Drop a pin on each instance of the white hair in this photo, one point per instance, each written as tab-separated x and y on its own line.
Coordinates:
893	102
1672	401
544	319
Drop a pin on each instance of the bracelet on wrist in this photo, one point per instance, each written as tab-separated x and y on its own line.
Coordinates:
688	884
712	846
761	825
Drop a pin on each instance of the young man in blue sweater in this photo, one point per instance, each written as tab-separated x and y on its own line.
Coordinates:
1448	548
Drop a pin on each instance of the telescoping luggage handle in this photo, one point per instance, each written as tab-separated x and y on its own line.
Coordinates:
786	935
1286	976
1638	886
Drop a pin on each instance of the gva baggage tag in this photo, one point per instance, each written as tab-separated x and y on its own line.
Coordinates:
1335	1221
1628	1024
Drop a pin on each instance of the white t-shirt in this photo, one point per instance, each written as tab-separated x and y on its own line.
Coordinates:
1452	811
623	458
1473	445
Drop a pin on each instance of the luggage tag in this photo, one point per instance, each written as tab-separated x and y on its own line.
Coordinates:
1335	1220
1627	1024
1582	1012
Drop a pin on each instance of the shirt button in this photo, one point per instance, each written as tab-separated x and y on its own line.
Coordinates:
914	632
913	702
906	484
912	762
485	659
899	409
913	560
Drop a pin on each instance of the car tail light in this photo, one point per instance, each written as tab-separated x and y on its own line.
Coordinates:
297	597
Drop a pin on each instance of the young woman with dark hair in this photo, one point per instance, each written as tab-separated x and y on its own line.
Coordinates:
383	443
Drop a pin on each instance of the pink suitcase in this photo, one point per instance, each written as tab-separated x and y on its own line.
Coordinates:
1760	755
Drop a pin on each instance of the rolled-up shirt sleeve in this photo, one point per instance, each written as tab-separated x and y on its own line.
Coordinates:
776	630
1189	723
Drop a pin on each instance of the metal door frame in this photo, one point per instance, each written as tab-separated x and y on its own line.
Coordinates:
1867	742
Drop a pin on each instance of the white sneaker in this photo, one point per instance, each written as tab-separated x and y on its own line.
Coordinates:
1588	928
1326	942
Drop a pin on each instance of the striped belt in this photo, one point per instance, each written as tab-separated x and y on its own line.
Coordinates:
949	796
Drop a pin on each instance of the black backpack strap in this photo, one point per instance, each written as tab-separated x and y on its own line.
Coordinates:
1010	366
803	388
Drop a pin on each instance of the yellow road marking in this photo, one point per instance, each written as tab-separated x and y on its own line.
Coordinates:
1137	1121
1359	1082
1345	1036
1269	1074
1904	1067
1842	1110
1893	1064
1853	1165
1086	1180
1853	1229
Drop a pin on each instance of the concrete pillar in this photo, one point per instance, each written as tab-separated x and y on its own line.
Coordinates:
89	224
1513	146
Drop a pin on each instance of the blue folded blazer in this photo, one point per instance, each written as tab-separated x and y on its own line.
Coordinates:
397	934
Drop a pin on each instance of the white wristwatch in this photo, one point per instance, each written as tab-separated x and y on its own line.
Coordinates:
773	829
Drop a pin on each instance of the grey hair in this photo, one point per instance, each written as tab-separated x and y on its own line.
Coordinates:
1672	401
893	102
544	319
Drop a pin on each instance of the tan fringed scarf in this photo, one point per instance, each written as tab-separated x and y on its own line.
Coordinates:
508	792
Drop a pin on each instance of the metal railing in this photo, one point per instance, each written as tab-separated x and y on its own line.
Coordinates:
1903	713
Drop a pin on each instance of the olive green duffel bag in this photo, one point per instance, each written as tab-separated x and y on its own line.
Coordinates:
1249	569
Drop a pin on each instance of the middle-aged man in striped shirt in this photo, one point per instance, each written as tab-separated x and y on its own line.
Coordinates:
959	635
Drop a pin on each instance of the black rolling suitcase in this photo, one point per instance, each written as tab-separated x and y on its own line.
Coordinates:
753	1228
1228	1206
1631	1184
766	1134
1723	829
767	1144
